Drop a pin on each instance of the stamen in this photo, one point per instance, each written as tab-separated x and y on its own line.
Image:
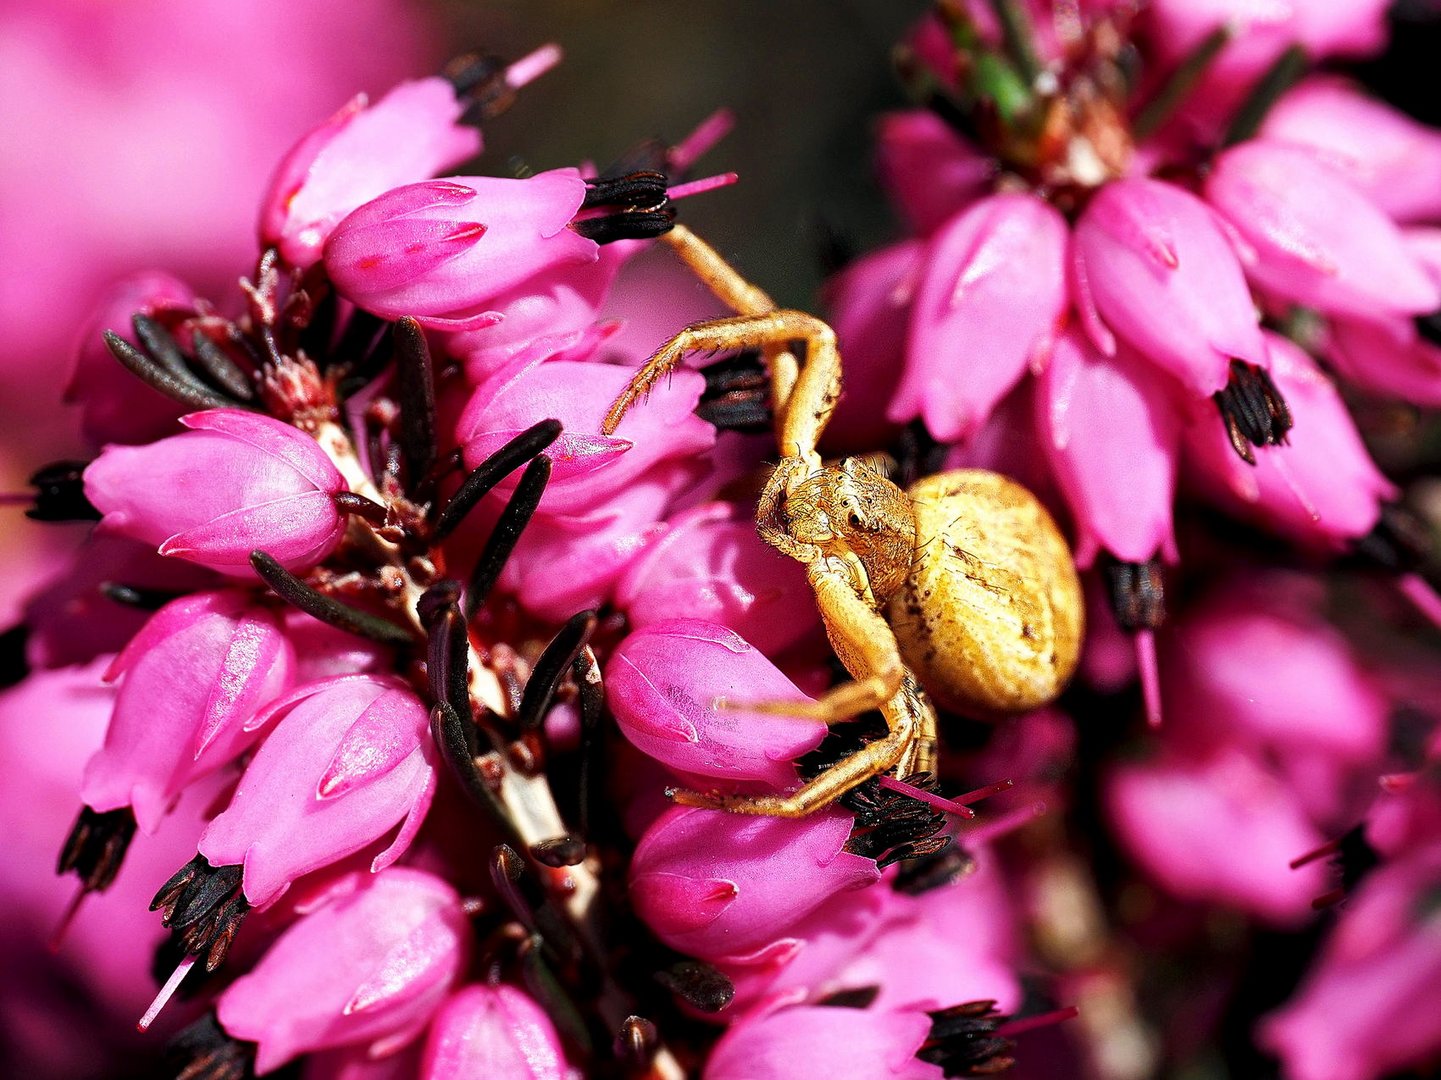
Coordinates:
1145	642
551	667
1137	592
448	660
348	502
636	1044
1330	847
60	493
166	993
524	447
57	938
930	798
415	380
452	736
1253	410
327	609
224	371
586	673
187	392
708	132
506	534
559	851
1020	1025
698	984
698	187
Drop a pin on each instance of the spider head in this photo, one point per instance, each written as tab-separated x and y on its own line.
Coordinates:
851	508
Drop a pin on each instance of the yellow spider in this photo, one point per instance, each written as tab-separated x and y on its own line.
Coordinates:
961	584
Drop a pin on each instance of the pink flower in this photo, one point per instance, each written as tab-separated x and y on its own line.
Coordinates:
1152	265
837	1043
1113	437
442	250
588	467
349	760
237	481
1320	488
115	405
1393	160
192	678
711	565
718	885
1363	1010
928	170
364	150
492	1031
666	684
990	299
1316	239
368	968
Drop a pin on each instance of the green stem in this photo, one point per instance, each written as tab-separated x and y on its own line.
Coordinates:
1018	38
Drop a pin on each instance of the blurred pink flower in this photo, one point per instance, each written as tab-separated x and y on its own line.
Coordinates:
838	1043
485	1032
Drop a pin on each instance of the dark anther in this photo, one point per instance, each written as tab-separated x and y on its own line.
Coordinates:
637	203
315	336
891	826
1137	592
586	673
60	493
1354	857
551	667
14	665
857	997
348	502
627	225
448	657
161	344
186	391
223	371
921	875
553	996
636	1043
203	1051
362	351
963	1040
644	190
506	534
559	851
327	609
1399	541
525	446
524	896
415	378
737	395
698	984
507	871
1429	327
204	906
455	739
96	846
136	596
1254	412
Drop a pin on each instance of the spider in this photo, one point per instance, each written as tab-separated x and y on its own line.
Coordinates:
962	584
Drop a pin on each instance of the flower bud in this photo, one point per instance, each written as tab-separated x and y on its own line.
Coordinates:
837	1043
362	151
1317	240
668	685
193	676
1151	265
442	250
711	565
991	295
349	760
492	1031
370	967
928	170
235	482
717	885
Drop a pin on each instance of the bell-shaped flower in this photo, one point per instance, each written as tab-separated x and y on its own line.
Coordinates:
1393	160
1321	488
363	151
370	967
485	1032
1364	1010
193	678
587	467
349	759
928	170
718	885
1314	238
235	482
669	685
870	303
820	1040
711	565
442	251
1152	266
990	299
1220	829
116	406
1112	432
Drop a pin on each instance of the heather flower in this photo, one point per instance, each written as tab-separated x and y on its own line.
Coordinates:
711	565
191	681
841	1043
369	968
347	761
715	885
674	686
492	1031
237	481
990	299
928	170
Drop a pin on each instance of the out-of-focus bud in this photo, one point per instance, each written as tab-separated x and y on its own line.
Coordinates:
711	565
235	482
991	295
928	170
1113	437
668	685
840	1044
194	675
349	760
443	250
361	152
719	885
116	406
370	967
1152	265
483	1032
1314	238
